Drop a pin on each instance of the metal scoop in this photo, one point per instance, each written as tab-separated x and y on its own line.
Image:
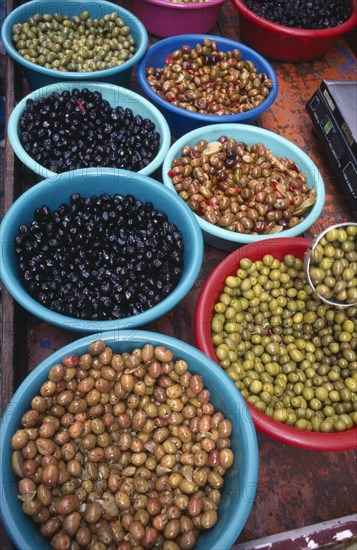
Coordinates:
309	263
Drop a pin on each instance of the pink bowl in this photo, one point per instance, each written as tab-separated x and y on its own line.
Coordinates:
164	18
288	43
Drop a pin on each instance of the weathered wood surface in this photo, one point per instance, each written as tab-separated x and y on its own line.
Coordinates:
296	488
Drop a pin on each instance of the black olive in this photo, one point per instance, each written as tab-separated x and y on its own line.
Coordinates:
100	257
303	14
80	129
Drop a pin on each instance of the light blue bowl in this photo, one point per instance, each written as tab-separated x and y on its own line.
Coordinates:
96	181
181	120
240	481
116	96
40	76
281	147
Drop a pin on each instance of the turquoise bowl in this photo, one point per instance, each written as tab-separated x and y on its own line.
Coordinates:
240	481
40	76
88	182
281	147
116	96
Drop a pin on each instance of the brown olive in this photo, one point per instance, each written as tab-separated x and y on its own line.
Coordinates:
195	506
50	527
42	516
71	523
104	533
196	383
97	347
137	530
47	429
93	512
26	486
83	536
28	468
31	507
122	500
44	495
67	504
226	458
224	428
61	541
124	449
149	538
209	519
172	529
19	439
30	418
50	475
187	541
70	360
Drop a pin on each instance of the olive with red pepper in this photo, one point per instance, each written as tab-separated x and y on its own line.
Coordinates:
241	188
206	80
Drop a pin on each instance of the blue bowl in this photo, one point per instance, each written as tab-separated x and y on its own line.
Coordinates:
88	182
240	481
116	96
281	147
181	120
40	76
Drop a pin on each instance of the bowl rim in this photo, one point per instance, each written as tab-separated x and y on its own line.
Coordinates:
308	262
141	44
294	31
183	5
241	509
21	295
15	116
314	441
199	117
245	129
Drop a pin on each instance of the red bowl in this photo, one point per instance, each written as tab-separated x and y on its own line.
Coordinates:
288	43
316	441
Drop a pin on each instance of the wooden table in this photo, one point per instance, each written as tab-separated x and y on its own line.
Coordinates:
297	489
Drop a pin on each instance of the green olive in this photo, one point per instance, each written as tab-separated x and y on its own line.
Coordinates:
333	267
59	34
299	369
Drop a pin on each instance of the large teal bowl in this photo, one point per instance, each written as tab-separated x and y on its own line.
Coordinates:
96	181
40	76
116	96
281	147
240	481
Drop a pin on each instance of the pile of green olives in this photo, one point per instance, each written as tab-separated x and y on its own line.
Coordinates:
79	44
333	264
291	355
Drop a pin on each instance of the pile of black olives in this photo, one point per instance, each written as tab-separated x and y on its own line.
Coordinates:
80	129
100	257
303	14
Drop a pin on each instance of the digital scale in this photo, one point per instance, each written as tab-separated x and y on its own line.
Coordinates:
333	110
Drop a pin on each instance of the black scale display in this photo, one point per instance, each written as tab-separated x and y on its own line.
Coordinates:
333	110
